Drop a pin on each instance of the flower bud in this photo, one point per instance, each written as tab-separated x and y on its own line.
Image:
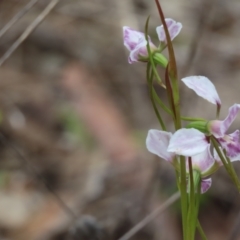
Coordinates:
160	59
202	126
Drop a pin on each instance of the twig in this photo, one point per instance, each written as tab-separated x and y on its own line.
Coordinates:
19	15
28	31
151	216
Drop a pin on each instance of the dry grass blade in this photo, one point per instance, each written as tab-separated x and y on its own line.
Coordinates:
28	30
150	217
19	15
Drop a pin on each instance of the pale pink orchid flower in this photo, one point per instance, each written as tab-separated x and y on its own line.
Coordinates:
158	142
174	29
230	142
136	43
203	87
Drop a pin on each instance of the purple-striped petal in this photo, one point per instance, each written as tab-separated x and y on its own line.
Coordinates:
219	128
157	143
203	161
203	87
205	184
231	144
140	49
187	142
174	29
232	114
131	38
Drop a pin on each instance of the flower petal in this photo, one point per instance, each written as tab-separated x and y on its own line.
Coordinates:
157	143
203	161
232	114
187	142
205	184
203	87
140	49
131	38
219	128
136	43
174	29
231	143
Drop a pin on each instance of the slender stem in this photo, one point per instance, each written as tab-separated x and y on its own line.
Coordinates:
154	104
191	209
201	232
177	178
183	189
197	201
233	173
150	78
197	186
175	104
227	163
170	97
215	145
168	110
150	87
150	54
218	110
161	104
190	119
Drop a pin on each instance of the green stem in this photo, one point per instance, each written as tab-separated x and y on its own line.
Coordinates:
177	178
175	105
150	86
190	119
215	145
183	190
201	232
161	104
227	163
193	183
170	97
197	186
168	110
150	78
150	55
233	173
218	110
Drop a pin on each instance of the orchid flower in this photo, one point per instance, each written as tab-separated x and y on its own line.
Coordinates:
136	43
174	29
230	142
158	142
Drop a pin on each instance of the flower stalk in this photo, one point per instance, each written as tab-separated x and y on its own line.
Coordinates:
187	149
226	162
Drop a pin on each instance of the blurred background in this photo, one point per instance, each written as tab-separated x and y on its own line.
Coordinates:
74	118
